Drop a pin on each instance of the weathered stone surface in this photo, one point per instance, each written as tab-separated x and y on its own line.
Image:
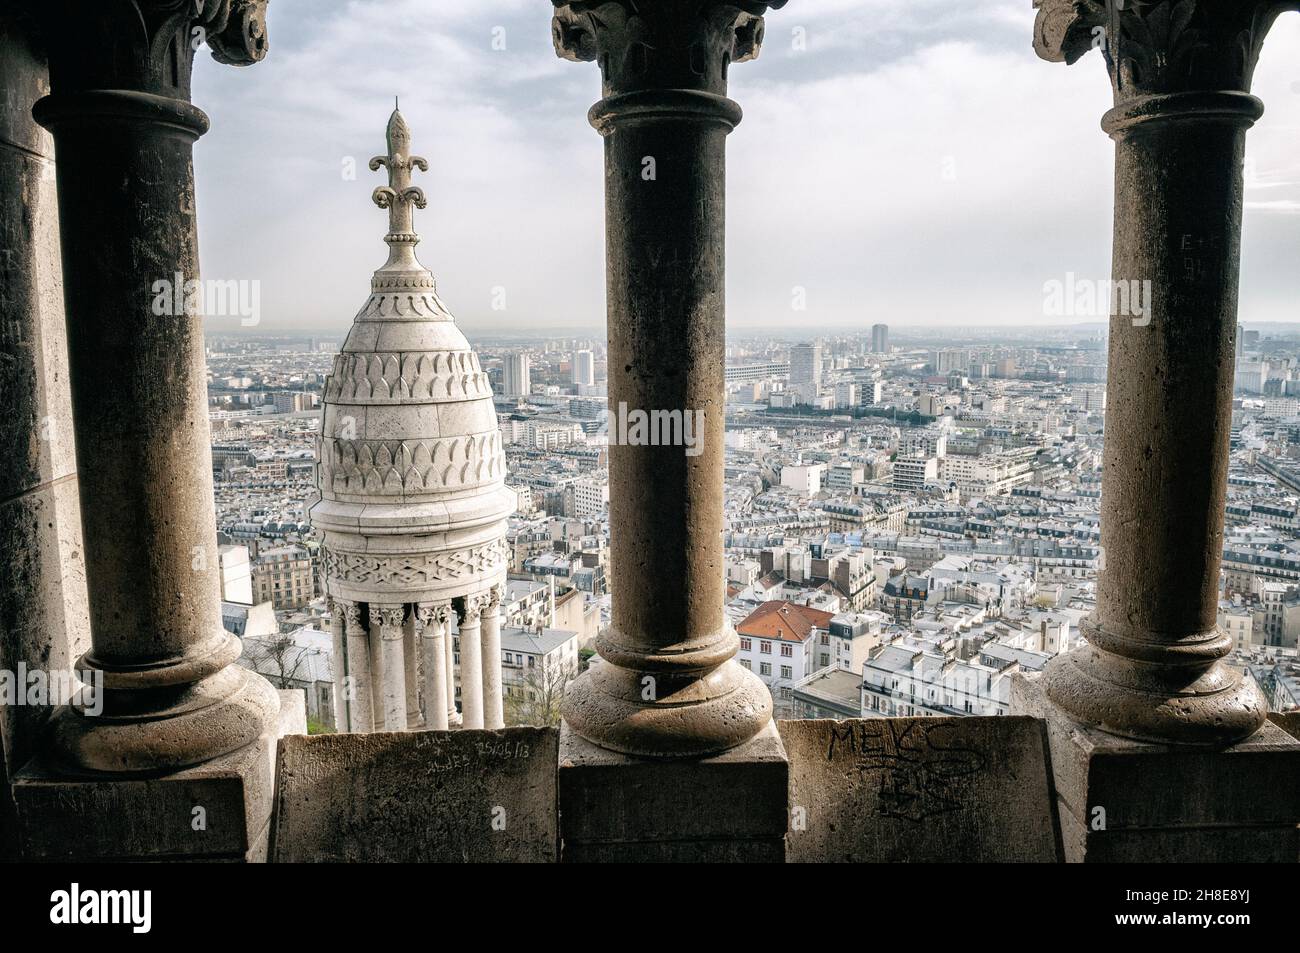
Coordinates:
151	819
617	808
670	686
1152	667
293	711
1277	844
1235	803
120	115
428	796
43	615
159	818
920	789
1287	721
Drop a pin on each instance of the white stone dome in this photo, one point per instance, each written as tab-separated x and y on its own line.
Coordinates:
411	503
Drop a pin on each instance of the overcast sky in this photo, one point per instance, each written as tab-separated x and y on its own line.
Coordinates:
916	164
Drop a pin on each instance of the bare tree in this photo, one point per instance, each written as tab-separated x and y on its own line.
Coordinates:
278	658
538	698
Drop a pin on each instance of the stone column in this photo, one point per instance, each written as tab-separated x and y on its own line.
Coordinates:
471	663
493	705
358	684
386	629
412	659
124	129
1151	668
430	627
1157	747
671	687
338	664
449	643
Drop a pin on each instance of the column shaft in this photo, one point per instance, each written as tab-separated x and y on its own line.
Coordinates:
124	129
357	685
338	664
671	686
449	644
386	631
1152	668
431	622
471	664
493	705
411	656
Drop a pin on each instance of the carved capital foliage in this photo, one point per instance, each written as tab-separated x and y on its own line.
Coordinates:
1065	29
147	45
669	44
432	613
242	41
1154	47
387	617
353	614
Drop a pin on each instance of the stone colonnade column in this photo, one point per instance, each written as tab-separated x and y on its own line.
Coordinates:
386	627
493	704
471	663
1158	748
1152	667
338	640
357	685
431	623
671	686
124	129
413	667
449	644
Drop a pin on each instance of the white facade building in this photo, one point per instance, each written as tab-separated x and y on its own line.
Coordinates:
517	379
584	368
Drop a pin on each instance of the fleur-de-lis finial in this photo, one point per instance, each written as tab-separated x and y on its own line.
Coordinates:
399	195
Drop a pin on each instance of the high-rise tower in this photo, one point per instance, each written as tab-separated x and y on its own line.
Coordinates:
412	504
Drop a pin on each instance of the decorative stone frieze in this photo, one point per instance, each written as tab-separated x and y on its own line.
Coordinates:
422	570
383	378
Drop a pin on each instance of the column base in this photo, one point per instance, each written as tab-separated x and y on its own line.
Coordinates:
653	715
1205	703
1126	800
730	807
164	729
158	818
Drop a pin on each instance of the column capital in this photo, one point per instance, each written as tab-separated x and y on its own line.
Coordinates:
387	616
149	45
670	44
352	615
1160	47
473	609
431	613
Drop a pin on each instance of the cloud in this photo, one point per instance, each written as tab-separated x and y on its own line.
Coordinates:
913	162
